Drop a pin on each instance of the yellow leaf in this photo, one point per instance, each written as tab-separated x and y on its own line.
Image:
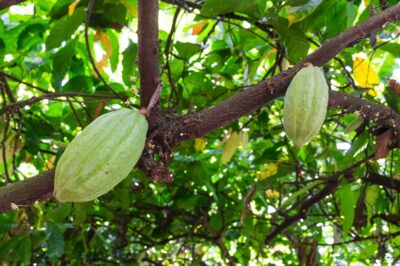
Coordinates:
270	52
50	163
132	9
272	194
229	148
373	92
364	73
106	42
102	63
199	144
270	170
71	7
291	19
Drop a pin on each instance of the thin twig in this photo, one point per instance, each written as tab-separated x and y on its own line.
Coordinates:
25	83
18	105
75	113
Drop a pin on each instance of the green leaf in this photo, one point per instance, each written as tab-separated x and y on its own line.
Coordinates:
31	35
58	215
293	39
296	195
330	18
297	13
186	49
55	242
2	49
62	60
81	211
114	59
213	8
254	8
358	146
79	84
392	98
371	195
347	203
24	249
129	63
63	29
354	124
393	48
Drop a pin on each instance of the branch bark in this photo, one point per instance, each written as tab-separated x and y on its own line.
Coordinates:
198	124
148	50
27	192
7	3
247	101
384	181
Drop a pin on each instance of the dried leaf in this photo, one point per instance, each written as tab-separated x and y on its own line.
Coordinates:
395	86
197	28
382	144
132	8
246	203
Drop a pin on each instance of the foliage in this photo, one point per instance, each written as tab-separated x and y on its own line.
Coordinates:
232	187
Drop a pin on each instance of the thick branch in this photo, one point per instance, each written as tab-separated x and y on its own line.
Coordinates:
27	192
7	3
148	50
245	102
384	181
40	187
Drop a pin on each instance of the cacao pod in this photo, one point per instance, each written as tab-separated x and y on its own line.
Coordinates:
101	156
306	103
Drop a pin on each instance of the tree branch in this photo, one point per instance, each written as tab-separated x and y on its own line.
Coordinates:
27	192
198	124
18	105
245	102
329	188
148	50
7	3
384	181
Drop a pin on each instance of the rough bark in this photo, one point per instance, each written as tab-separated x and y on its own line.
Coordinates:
7	3
148	50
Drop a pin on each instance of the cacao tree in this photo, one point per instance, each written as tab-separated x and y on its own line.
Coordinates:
204	173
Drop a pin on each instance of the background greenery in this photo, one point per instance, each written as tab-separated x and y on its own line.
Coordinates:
234	185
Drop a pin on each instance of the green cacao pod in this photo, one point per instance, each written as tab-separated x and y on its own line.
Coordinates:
306	103
101	156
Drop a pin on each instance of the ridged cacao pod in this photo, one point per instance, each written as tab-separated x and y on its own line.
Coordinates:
101	156
306	103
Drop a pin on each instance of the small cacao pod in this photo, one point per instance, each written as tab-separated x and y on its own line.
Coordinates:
101	156
306	103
